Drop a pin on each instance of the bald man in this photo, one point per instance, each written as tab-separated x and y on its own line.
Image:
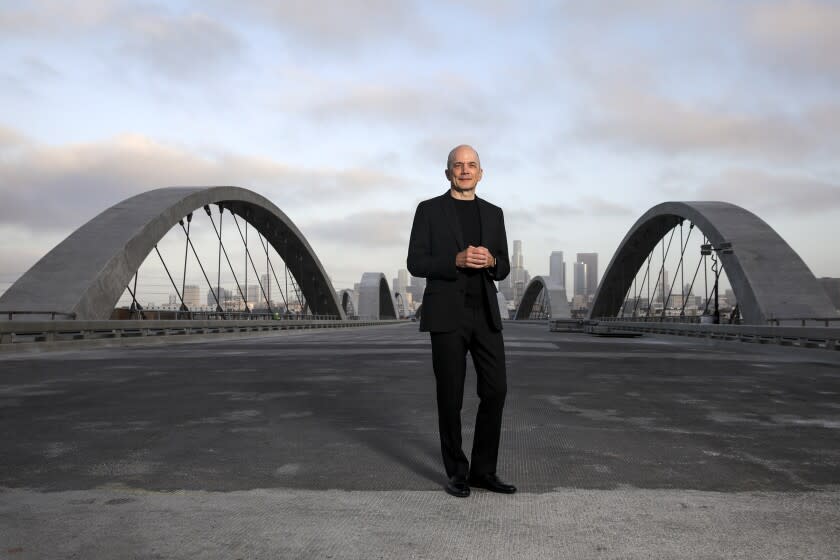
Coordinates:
459	244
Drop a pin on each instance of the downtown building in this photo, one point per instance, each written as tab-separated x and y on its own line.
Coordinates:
514	285
585	280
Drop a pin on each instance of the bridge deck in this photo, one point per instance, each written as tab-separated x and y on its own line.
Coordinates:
323	444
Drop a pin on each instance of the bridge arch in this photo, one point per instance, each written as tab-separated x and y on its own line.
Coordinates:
768	277
375	298
549	297
348	302
85	275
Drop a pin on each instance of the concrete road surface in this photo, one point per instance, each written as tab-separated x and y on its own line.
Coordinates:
323	444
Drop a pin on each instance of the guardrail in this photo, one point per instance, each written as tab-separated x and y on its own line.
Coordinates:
122	314
803	321
13	333
566	325
801	336
707	320
10	315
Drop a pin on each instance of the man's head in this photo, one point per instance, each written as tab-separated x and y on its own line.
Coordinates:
463	169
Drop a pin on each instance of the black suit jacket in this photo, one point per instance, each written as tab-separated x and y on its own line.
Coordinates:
436	237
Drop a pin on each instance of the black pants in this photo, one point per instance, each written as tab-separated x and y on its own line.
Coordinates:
449	351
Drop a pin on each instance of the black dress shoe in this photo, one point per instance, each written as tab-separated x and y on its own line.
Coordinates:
491	482
458	487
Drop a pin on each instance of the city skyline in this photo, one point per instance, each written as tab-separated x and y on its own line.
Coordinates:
342	115
411	288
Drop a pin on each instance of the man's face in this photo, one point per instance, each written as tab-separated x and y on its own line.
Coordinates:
465	171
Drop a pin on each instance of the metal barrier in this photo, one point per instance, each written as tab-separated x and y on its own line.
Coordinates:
124	314
801	336
10	315
50	331
695	319
803	321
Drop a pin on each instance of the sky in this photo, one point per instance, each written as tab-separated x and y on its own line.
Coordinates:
585	115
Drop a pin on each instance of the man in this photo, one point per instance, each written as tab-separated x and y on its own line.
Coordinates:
458	243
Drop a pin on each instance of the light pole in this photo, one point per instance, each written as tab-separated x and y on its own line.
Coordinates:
725	248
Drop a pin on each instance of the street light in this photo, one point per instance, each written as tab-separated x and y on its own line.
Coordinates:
723	248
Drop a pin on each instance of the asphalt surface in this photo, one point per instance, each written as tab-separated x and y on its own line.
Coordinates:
323	444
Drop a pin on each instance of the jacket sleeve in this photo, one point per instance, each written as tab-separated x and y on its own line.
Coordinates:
502	268
421	262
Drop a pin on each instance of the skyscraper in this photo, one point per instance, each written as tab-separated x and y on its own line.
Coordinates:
266	280
662	288
192	296
402	278
223	295
518	260
557	268
591	261
579	274
514	286
254	296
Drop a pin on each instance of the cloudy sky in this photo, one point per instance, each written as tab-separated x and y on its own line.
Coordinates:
585	114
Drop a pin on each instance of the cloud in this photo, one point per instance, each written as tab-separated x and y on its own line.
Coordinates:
799	36
763	192
545	213
404	104
178	45
43	17
338	24
550	215
369	229
10	138
22	247
181	46
597	206
39	69
642	120
434	100
62	186
620	9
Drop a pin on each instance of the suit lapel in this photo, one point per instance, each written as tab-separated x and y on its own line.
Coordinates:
452	219
485	219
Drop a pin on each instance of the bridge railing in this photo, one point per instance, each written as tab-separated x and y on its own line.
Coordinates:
804	321
163	314
10	315
172	314
709	319
805	336
18	334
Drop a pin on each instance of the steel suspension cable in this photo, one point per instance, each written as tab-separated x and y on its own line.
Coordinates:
249	259
246	256
644	278
267	276
273	273
224	251
166	268
186	252
682	272
201	266
219	297
661	269
679	266
135	304
691	287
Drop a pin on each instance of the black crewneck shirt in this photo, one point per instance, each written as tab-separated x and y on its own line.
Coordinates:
470	221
